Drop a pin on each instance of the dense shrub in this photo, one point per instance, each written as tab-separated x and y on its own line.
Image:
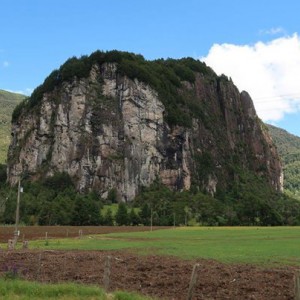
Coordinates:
165	76
2	173
59	181
249	203
122	217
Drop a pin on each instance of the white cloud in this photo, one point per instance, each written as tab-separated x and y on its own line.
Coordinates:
269	71
272	31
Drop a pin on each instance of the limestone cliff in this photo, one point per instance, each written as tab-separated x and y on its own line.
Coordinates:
109	129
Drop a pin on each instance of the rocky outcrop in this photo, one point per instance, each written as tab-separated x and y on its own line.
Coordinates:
109	131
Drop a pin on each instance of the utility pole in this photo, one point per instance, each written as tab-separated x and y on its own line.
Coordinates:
174	221
16	233
151	219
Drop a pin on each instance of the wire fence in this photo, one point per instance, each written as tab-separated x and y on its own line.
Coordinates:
156	276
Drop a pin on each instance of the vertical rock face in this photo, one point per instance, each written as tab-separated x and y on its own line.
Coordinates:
108	131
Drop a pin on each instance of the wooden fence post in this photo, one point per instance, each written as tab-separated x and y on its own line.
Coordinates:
39	266
297	286
46	239
25	245
11	244
106	275
65	266
193	281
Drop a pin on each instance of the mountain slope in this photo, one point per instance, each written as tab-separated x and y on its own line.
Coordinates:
8	102
115	120
288	146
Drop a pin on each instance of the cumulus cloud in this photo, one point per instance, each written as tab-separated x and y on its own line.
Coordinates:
269	71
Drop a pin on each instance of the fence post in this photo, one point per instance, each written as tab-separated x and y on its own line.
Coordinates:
25	245
11	244
39	266
106	276
65	266
193	281
297	286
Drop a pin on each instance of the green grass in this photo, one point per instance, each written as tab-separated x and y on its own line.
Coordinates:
24	290
255	245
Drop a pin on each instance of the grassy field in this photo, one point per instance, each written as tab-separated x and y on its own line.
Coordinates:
22	290
8	102
264	247
255	245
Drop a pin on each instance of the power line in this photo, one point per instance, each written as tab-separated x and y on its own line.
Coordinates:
274	98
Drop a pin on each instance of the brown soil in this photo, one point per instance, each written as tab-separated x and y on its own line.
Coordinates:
37	232
157	276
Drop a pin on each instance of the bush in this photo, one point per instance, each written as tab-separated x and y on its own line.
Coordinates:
108	219
122	215
59	181
3	174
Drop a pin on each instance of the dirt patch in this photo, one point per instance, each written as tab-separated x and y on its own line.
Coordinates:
38	232
158	276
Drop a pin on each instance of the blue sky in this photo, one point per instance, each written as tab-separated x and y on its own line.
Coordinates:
255	42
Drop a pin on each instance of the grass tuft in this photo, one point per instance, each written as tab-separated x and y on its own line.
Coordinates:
24	290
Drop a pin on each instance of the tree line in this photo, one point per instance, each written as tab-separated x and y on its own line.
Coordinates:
54	201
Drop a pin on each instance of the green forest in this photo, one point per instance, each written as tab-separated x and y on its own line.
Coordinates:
54	201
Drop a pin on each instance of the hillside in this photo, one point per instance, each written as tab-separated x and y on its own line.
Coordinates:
115	120
8	101
288	146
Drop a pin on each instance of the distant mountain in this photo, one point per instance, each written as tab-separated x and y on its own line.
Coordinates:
8	102
288	146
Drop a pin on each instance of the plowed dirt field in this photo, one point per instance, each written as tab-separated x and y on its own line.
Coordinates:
158	276
163	277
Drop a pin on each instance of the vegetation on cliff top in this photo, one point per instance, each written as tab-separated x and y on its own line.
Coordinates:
165	76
